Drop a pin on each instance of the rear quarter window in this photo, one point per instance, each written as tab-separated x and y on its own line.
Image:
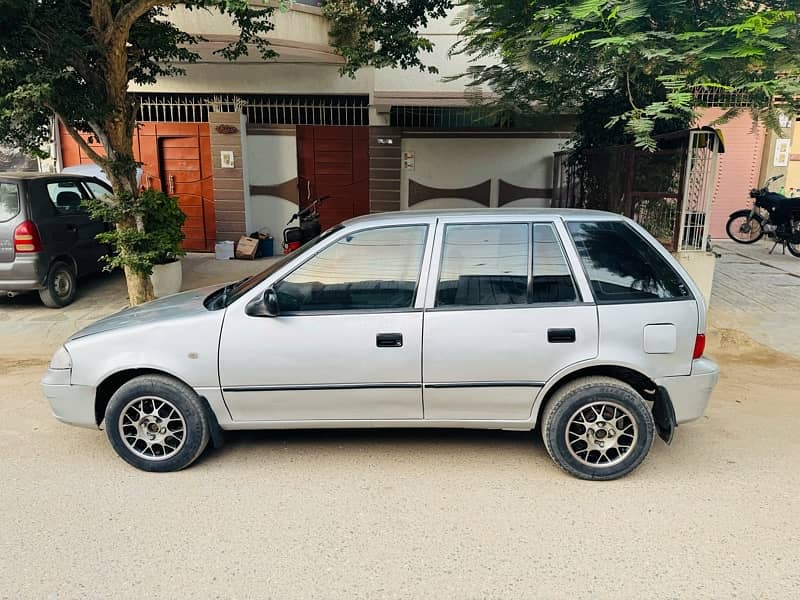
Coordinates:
9	201
623	266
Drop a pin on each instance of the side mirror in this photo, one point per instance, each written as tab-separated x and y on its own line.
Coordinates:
271	302
265	306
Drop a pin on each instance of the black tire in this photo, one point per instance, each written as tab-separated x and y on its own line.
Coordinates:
61	285
627	421
165	449
794	249
741	219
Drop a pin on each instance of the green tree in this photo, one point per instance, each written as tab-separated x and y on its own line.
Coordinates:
642	64
75	59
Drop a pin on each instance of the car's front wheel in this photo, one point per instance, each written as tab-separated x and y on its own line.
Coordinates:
597	428
157	423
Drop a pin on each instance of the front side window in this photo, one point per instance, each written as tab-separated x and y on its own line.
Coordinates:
623	266
9	201
367	270
97	190
66	196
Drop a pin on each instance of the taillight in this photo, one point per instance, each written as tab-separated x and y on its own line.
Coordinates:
26	238
699	346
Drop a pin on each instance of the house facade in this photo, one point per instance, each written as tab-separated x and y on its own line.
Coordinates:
244	144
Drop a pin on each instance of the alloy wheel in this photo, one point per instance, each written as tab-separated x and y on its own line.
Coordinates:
601	434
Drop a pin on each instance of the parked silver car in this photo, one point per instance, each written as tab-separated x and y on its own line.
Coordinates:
47	240
503	319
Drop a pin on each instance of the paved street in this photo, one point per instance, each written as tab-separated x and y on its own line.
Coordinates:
758	293
401	514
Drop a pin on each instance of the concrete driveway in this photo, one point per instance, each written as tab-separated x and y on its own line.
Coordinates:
399	514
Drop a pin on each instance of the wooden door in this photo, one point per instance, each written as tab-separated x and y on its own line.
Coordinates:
175	158
334	161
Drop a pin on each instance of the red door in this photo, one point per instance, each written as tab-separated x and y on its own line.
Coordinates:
176	158
334	161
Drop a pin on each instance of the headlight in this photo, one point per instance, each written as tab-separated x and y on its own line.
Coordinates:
61	359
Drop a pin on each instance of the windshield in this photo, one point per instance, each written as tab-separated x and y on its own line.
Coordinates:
228	294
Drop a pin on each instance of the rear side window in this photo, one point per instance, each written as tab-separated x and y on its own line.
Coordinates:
66	196
9	201
623	266
501	264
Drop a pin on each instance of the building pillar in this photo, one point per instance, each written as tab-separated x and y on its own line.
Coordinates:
229	184
385	159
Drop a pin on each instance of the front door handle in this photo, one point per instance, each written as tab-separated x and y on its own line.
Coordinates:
561	336
389	340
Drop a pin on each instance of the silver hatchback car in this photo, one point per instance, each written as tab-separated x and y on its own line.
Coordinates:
576	321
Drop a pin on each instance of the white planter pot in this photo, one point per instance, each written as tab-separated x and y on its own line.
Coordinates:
167	279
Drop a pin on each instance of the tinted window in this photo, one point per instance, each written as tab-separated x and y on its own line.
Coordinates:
552	279
9	201
66	196
373	269
623	266
484	265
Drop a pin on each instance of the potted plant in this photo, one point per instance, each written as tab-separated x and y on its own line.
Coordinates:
155	246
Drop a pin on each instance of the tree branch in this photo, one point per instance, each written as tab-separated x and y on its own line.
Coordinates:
96	158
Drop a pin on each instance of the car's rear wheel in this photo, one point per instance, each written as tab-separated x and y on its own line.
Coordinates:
597	428
60	286
157	423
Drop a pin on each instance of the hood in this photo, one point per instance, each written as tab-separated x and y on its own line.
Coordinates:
171	307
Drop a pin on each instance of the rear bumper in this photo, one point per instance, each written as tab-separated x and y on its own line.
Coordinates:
24	273
690	393
73	404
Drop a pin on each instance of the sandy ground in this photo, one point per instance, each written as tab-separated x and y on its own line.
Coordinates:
401	514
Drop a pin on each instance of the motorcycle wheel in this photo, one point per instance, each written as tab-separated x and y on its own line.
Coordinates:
794	249
743	228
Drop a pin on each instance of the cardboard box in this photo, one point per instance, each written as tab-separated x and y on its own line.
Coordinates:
246	248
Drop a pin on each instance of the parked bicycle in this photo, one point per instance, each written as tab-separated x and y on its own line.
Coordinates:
772	214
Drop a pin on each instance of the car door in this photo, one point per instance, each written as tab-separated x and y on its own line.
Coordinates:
99	190
347	342
68	228
504	313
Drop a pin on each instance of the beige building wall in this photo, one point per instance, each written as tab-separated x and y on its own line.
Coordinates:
464	162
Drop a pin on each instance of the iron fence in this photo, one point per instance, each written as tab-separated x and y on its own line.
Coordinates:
267	109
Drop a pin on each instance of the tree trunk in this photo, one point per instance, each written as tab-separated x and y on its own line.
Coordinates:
118	129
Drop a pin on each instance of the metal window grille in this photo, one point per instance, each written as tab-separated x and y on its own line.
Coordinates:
717	98
454	117
260	109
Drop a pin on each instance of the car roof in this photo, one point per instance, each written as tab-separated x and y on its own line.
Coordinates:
568	214
27	175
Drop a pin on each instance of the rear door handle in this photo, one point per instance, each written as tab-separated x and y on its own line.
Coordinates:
389	340
561	336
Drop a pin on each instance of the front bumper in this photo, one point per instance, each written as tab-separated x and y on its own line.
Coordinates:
73	404
690	393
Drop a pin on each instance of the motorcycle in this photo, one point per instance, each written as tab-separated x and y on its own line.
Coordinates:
772	214
307	229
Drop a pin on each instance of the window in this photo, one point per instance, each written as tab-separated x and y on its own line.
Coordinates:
484	265
623	266
490	265
552	279
97	190
368	270
9	201
66	196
